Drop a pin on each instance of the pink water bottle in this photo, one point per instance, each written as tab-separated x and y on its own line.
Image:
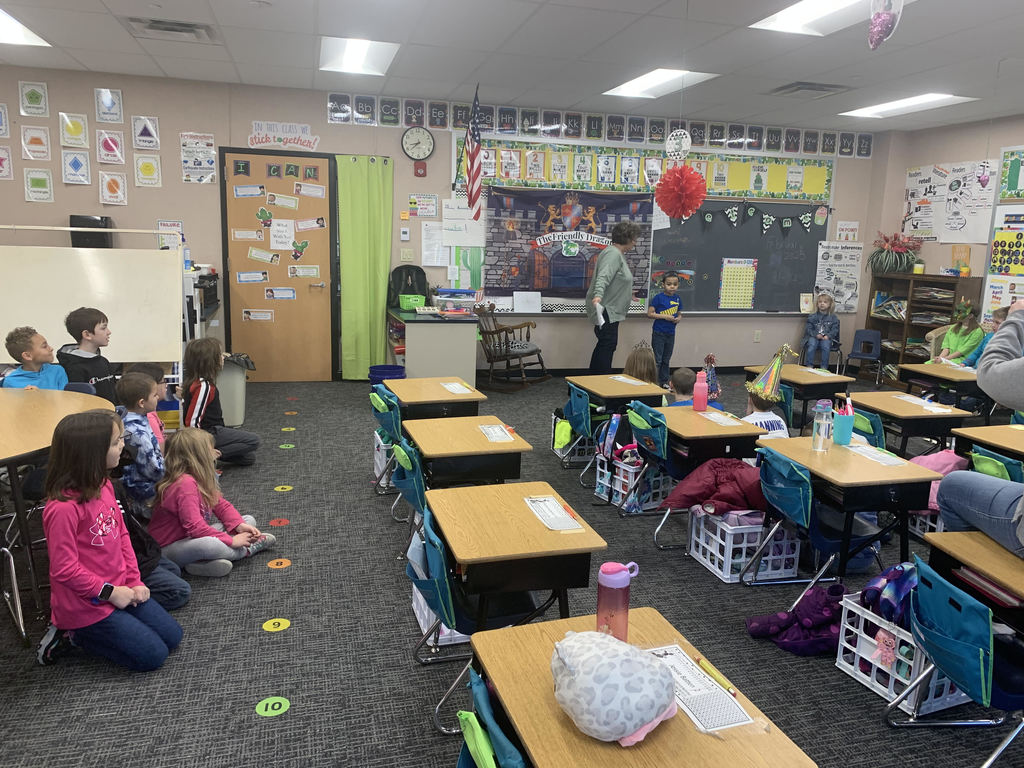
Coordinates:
700	392
613	598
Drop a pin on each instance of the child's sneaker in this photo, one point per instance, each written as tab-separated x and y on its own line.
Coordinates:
265	541
213	569
56	643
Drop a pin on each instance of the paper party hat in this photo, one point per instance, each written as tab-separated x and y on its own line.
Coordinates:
766	384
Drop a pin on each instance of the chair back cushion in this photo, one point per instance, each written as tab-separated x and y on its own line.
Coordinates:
408	475
997	465
508	756
386	411
649	430
869	426
577	410
787	486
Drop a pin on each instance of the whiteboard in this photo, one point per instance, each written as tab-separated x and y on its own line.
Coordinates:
139	290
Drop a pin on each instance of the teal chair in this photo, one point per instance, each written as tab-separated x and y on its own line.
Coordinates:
385	409
408	478
786	404
485	741
997	465
869	426
585	419
955	631
651	435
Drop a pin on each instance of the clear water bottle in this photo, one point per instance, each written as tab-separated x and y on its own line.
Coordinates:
613	598
821	431
700	392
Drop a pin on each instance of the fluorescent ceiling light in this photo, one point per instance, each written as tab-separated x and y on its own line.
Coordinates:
659	82
818	17
360	57
908	105
13	32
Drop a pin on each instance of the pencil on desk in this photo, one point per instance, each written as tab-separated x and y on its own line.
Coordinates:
715	675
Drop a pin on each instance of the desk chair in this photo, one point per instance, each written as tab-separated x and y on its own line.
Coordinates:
387	412
580	413
407	477
869	425
955	630
997	465
651	435
492	742
867	348
787	487
786	404
10	592
837	350
511	345
80	386
435	579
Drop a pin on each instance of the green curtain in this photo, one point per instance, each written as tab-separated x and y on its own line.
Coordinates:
365	185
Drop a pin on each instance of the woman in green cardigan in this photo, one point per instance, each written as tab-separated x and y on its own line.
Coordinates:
610	291
962	338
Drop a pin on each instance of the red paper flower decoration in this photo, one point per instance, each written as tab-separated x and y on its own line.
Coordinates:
680	192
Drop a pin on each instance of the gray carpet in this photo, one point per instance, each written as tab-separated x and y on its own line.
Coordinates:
357	698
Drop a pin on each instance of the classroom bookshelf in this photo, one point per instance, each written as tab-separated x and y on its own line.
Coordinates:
904	307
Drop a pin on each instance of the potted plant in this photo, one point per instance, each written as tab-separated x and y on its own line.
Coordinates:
895	253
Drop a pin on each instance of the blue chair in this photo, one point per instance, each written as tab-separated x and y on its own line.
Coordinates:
787	488
786	404
955	631
407	477
837	349
867	348
1017	417
487	734
386	411
80	386
579	412
869	426
651	436
997	465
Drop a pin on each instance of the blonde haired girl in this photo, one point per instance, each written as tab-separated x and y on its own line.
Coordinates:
821	331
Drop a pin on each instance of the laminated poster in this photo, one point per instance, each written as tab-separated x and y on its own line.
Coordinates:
6	168
258	254
147	171
33	100
838	273
110	147
173	228
737	285
113	188
108	105
282	201
304	224
305	189
5	123
35	142
75	167
74	130
258	315
299	270
198	158
145	132
276	294
38	185
252	277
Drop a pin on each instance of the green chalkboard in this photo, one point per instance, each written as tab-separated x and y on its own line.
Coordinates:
786	259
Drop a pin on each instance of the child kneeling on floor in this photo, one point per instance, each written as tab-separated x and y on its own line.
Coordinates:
195	526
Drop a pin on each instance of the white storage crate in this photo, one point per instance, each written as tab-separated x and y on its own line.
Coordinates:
724	549
922	524
381	457
577	455
857	646
616	477
426	617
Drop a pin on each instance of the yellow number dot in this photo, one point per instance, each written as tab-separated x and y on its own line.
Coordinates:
286	446
282	488
276	625
287	429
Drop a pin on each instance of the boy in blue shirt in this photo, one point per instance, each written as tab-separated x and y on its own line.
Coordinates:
37	370
664	310
683	380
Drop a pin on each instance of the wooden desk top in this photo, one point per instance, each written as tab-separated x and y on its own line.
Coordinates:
802	375
518	662
889	403
428	389
459	436
1004	437
989	558
942	371
845	468
689	424
493	523
607	386
28	417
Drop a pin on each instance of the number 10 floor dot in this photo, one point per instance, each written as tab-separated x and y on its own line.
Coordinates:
272	706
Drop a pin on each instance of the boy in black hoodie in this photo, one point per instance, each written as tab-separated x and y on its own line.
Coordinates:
83	361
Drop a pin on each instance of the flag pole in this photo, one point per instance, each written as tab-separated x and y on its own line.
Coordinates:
462	151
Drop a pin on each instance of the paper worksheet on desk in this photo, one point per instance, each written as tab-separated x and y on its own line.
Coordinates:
435	254
459	228
708	705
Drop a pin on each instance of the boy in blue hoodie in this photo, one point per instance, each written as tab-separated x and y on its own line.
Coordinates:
36	369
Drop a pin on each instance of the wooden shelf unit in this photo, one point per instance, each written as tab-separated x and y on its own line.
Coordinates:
901	285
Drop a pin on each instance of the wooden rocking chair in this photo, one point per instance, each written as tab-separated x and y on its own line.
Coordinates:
511	345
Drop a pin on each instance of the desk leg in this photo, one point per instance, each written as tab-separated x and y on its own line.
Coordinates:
803	417
563	603
844	547
21	515
904	437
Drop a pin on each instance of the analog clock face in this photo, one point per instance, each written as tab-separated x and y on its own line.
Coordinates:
418	143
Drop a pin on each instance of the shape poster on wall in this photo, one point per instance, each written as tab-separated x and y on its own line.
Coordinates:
838	273
739	278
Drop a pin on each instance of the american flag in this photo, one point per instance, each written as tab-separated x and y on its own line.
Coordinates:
473	165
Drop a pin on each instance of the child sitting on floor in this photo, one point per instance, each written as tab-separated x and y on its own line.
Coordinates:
681	386
138	394
156	372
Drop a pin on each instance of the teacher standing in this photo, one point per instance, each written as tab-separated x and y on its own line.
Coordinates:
612	288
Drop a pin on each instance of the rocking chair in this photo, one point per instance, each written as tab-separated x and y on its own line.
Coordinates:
511	345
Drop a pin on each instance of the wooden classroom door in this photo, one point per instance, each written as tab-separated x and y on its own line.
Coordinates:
279	240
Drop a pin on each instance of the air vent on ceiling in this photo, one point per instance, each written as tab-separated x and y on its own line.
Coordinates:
174	31
804	90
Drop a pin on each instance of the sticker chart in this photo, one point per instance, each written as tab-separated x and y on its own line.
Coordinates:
736	290
708	705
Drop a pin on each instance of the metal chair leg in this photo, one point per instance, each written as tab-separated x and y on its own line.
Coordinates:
379	480
12	596
415	525
629	491
685	546
914	721
591	463
435	649
1005	742
813	581
394	517
437	710
755	559
568	451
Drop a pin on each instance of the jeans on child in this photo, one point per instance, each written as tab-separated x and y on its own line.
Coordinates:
662	344
138	637
236	446
185	551
816	346
975	501
166	585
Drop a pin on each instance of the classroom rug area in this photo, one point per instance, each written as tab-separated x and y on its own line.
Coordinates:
355	697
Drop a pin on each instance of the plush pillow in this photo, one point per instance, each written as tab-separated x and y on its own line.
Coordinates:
611	690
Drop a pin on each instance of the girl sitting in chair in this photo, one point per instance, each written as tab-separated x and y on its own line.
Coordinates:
822	329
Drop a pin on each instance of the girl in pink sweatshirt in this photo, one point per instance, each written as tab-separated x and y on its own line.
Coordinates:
196	527
97	599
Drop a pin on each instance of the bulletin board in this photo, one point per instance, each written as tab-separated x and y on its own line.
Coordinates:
139	290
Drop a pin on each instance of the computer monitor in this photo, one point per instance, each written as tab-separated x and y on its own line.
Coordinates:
91	239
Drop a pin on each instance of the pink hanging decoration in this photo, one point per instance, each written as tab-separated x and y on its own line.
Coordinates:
885	15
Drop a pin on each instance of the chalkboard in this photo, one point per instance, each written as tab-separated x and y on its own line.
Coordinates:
786	260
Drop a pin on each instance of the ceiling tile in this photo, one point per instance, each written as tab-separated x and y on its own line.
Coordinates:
653	42
819	54
197	11
115	61
513	70
87	6
75	29
480	25
343	82
258	46
275	75
424	62
160	48
274	16
740	13
37	56
635	6
418	88
199	69
389	21
561	31
494	95
742	48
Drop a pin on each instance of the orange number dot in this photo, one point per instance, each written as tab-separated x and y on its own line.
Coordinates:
278	522
279	563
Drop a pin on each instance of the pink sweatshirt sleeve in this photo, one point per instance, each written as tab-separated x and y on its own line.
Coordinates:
227	514
60	523
185	501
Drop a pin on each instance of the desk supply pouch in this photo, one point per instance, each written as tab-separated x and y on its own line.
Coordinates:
611	690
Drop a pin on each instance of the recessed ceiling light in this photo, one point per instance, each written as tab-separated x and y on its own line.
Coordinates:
360	57
818	17
13	32
906	106
659	82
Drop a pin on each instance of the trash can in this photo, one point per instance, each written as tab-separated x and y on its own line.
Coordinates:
231	383
380	372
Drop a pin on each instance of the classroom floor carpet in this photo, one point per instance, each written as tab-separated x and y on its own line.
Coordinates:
356	697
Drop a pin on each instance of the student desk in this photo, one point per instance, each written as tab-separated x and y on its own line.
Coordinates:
427	398
699	439
984	556
807	383
501	545
962	381
854	483
29	418
912	418
517	661
1007	439
614	394
456	450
